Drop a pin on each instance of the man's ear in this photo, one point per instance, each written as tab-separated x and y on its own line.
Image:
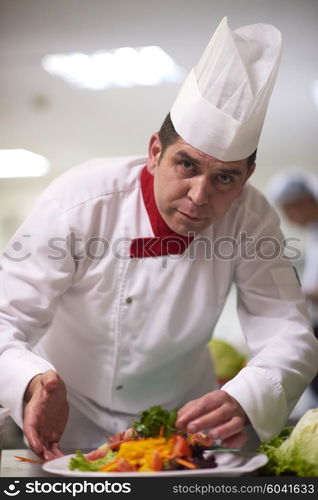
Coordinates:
250	171
154	150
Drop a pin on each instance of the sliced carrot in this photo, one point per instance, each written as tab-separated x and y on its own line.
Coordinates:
30	460
156	462
185	463
162	429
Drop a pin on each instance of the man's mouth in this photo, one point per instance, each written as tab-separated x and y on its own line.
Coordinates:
190	217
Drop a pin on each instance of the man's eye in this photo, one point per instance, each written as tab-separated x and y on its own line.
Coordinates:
225	179
187	164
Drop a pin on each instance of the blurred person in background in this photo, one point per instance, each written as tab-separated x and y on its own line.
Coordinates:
296	194
109	311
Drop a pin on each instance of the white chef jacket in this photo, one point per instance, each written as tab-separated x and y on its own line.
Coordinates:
310	274
127	333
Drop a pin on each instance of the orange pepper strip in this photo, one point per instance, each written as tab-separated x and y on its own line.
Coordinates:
30	460
187	464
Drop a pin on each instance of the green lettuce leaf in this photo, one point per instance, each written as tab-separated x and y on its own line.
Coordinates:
79	462
295	450
269	448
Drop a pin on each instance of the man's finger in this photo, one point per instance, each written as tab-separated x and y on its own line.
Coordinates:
227	429
33	440
211	420
199	407
56	450
185	408
48	454
236	441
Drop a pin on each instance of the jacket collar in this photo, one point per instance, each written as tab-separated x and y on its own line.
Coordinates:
165	240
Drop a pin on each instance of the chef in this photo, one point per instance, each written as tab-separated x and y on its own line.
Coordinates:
295	192
124	267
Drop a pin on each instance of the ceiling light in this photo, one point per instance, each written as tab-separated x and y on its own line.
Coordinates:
123	67
22	163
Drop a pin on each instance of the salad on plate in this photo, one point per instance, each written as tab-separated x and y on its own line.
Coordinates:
151	444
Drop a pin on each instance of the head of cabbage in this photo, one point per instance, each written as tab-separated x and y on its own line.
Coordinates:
228	361
295	450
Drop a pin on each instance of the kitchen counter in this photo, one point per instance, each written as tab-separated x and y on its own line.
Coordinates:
12	467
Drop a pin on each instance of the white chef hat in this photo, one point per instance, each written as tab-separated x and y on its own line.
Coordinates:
221	106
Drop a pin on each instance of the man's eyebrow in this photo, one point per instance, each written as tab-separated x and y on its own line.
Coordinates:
185	156
225	171
230	171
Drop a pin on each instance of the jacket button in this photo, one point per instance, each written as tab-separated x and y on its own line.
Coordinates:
129	300
119	387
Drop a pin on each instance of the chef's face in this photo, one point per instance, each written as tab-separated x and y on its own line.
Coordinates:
193	190
301	212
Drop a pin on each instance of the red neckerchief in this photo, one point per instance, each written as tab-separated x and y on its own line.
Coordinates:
165	241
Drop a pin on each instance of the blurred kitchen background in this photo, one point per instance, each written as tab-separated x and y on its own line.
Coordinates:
68	122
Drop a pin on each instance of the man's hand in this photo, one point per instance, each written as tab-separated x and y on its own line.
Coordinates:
45	414
217	414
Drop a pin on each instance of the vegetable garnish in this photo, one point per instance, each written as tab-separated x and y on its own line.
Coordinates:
156	420
295	450
151	444
30	460
80	462
147	455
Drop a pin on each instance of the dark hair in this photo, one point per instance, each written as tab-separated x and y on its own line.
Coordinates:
168	135
251	159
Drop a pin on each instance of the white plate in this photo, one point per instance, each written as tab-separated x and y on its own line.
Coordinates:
228	464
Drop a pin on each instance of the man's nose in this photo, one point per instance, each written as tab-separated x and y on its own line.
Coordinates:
199	191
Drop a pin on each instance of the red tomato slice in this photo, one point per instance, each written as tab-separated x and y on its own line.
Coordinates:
98	453
181	447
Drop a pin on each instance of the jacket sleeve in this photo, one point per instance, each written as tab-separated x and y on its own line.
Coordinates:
32	277
310	274
274	319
